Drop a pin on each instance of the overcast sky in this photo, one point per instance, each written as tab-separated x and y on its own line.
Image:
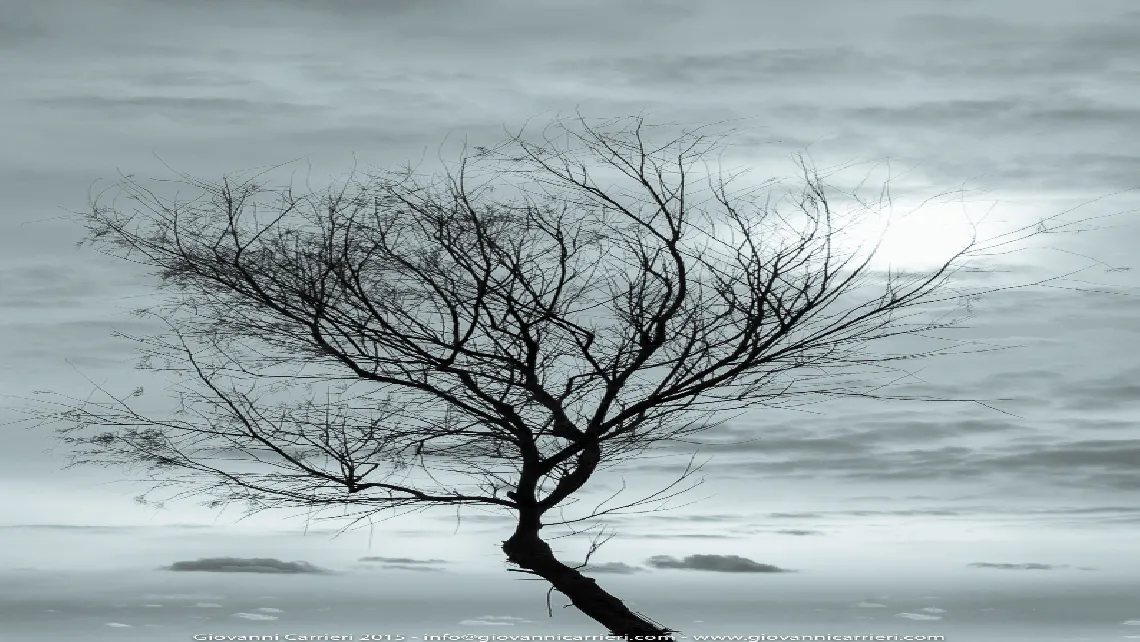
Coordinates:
1015	519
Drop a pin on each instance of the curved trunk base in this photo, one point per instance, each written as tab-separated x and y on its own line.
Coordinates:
529	552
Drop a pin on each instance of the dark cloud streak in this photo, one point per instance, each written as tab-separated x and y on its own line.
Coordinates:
265	565
715	563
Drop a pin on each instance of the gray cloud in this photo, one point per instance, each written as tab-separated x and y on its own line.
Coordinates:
616	568
1071	515
947	46
717	563
710	518
404	563
902	445
258	617
807	445
684	536
399	560
1025	85
14	34
1100	393
493	620
740	68
855	438
1016	567
1019	112
409	567
479	518
245	565
1017	48
187	78
102	529
798	532
48	285
175	107
1094	463
69	527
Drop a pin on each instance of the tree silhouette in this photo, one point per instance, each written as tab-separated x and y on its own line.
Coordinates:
494	334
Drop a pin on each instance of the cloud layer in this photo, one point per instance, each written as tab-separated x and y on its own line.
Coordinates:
717	563
245	565
1030	566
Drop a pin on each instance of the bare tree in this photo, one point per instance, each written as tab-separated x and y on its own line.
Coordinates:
495	334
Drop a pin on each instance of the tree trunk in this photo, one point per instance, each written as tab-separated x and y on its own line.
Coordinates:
526	549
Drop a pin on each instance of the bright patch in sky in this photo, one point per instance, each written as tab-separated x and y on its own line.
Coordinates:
255	616
923	238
